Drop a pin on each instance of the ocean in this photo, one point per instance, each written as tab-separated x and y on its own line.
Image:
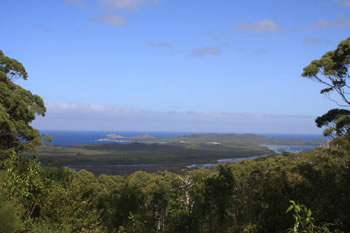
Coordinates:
66	138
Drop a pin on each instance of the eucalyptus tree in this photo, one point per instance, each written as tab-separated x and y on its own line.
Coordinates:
18	108
332	70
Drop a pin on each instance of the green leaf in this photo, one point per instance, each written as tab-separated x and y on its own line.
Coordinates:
309	213
289	208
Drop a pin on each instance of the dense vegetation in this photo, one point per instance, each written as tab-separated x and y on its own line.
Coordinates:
223	139
240	139
173	154
105	158
249	196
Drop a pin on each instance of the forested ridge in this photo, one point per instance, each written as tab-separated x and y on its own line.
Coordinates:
303	192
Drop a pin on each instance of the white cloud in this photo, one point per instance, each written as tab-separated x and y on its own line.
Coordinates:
315	41
55	107
207	51
341	21
344	3
258	26
112	9
126	4
79	2
215	35
112	19
69	116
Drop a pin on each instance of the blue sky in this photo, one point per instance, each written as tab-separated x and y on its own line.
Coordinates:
174	65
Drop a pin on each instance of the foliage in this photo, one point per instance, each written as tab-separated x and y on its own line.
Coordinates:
249	196
69	206
9	219
23	182
304	222
338	121
47	138
219	203
331	70
18	108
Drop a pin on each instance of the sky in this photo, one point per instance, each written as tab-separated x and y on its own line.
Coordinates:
174	65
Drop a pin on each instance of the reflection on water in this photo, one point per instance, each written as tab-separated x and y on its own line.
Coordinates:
288	148
235	160
275	148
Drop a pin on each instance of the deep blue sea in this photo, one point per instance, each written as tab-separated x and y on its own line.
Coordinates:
89	137
66	138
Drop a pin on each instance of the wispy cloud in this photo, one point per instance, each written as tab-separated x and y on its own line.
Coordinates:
160	45
83	108
111	19
78	2
340	21
112	9
215	35
315	41
258	26
68	116
126	4
207	51
344	3
268	25
112	5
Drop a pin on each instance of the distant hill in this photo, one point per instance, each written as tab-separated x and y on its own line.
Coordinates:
241	139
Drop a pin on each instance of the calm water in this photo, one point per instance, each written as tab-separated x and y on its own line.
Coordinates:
276	148
89	137
289	148
195	165
66	138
